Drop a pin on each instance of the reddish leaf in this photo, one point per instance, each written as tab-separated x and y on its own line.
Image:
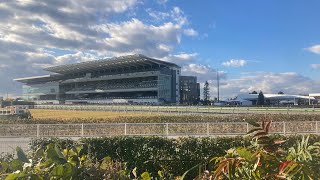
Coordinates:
263	123
283	165
254	130
260	134
268	126
279	141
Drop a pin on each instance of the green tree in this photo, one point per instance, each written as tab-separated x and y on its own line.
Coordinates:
206	93
260	99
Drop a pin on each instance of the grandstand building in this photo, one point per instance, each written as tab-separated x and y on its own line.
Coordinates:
133	79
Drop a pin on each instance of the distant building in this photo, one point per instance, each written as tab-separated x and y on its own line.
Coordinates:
133	79
189	90
278	99
316	96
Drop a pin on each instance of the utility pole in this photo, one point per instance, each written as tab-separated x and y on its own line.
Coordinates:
218	83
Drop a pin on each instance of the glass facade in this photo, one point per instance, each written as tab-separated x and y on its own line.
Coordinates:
45	91
164	88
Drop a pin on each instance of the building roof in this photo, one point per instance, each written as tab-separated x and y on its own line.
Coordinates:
314	94
272	96
109	63
33	79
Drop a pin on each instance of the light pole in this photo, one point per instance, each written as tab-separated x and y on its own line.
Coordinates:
218	84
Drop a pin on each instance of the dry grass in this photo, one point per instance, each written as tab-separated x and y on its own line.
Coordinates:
45	116
68	115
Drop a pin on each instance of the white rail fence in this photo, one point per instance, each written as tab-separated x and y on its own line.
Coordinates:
150	129
183	109
13	135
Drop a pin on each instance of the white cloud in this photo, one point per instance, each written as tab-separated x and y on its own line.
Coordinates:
269	82
315	66
81	31
198	69
186	57
136	37
181	58
314	49
158	15
190	32
75	58
175	15
2	66
203	72
235	63
162	1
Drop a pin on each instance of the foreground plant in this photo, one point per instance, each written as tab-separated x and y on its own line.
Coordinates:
53	162
265	159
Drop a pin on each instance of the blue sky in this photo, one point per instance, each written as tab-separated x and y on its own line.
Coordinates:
255	45
271	35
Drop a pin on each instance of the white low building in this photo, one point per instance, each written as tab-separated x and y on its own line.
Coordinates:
277	98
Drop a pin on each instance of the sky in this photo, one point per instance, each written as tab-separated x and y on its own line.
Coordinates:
266	45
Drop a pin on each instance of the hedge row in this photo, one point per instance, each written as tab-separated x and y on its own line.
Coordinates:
174	156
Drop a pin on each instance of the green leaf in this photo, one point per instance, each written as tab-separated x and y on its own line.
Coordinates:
21	155
57	171
16	165
12	177
39	153
58	151
68	170
122	173
35	177
3	167
46	164
105	163
79	148
74	160
145	176
185	173
244	153
52	154
83	158
160	173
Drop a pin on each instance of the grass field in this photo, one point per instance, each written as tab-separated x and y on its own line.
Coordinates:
46	116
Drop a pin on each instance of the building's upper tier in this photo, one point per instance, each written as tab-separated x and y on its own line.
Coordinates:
130	62
110	63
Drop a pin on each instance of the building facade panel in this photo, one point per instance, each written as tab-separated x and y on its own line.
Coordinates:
189	90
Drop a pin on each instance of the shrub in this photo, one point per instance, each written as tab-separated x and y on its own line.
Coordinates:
172	156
